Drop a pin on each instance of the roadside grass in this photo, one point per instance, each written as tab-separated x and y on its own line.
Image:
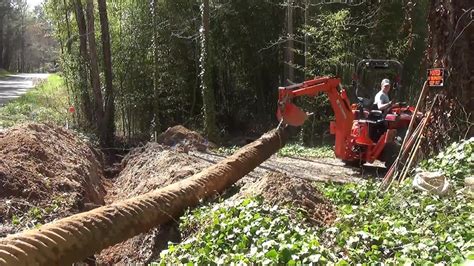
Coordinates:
47	103
3	72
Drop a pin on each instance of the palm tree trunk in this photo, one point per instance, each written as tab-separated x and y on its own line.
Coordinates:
74	238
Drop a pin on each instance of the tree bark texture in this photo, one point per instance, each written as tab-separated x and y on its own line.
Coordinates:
156	50
94	71
451	46
21	65
109	114
289	60
84	62
1	39
68	27
7	53
208	96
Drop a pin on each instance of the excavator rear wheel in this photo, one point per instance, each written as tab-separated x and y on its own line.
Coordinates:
391	150
390	153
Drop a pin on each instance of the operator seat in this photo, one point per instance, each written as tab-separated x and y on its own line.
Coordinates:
368	104
377	124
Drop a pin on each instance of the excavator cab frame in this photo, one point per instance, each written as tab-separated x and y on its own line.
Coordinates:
369	73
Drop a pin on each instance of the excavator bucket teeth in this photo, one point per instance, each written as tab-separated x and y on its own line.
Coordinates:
292	115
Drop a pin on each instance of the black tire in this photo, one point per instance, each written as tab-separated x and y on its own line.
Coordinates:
354	163
401	133
390	153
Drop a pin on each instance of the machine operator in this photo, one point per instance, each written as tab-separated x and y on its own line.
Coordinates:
381	98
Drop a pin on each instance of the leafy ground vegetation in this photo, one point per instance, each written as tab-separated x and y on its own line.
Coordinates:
297	150
402	225
46	104
290	150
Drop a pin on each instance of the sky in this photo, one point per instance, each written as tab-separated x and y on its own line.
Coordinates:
33	3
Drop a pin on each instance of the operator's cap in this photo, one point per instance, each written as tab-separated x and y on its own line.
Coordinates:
385	82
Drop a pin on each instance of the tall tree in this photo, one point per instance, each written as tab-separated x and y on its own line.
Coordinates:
21	61
109	124
450	46
1	39
4	5
208	96
68	27
9	49
83	63
290	57
156	119
94	72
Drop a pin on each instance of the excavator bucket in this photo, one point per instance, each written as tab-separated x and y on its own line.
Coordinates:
291	114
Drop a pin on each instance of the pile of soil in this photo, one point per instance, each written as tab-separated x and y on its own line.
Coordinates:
280	189
46	172
154	166
184	139
145	169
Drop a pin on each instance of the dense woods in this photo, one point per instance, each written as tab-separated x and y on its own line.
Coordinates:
216	65
26	41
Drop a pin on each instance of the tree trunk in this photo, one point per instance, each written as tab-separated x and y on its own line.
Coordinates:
68	28
109	117
84	62
156	112
306	11
94	72
208	96
7	53
290	45
450	46
21	62
79	236
1	39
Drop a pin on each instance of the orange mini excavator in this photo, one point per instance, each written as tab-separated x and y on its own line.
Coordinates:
362	133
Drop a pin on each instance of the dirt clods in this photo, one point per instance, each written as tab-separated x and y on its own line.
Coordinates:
183	138
154	166
46	172
145	169
279	189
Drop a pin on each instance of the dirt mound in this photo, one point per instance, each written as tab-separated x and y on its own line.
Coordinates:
183	138
46	172
145	169
280	189
154	166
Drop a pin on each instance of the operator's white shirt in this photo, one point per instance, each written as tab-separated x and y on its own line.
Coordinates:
381	98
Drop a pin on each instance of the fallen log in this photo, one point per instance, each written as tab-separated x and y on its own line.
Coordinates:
76	237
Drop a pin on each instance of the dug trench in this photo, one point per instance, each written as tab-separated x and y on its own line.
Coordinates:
47	173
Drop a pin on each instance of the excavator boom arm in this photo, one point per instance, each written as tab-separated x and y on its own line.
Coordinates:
290	114
293	115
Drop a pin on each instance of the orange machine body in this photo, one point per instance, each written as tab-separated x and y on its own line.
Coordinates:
358	135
